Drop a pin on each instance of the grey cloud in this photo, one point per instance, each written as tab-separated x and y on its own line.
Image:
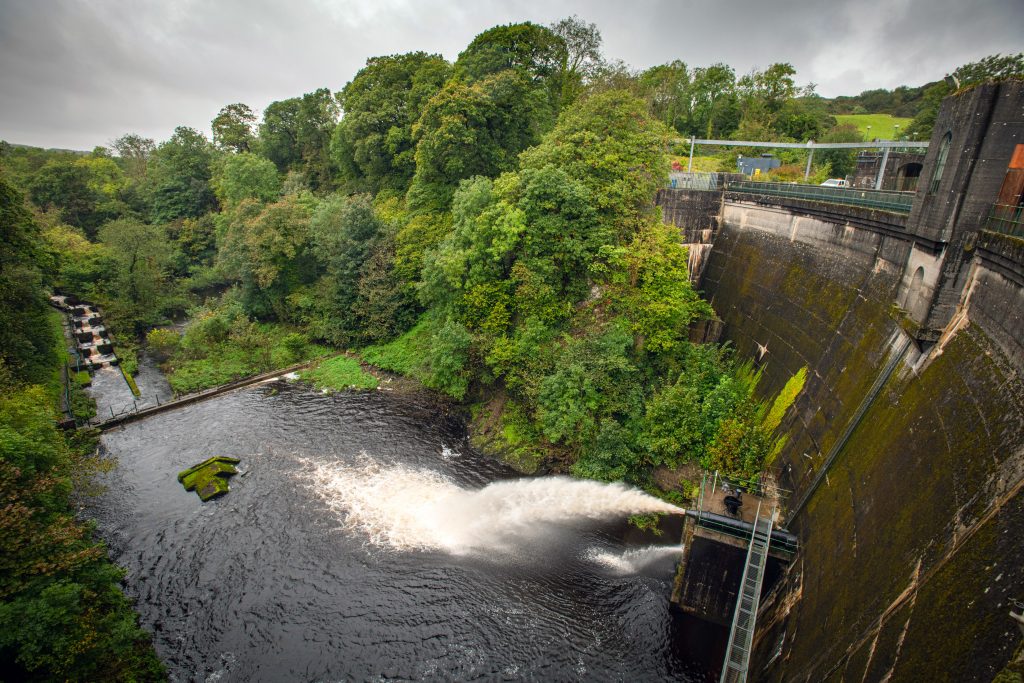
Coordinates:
77	73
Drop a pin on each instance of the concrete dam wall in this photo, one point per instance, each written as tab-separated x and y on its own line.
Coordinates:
906	484
933	456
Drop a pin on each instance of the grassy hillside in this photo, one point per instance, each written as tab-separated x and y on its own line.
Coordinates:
883	126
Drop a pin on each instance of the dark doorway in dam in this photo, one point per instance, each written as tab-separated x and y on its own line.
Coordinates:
907	176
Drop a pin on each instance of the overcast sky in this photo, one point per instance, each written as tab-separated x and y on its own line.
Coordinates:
79	73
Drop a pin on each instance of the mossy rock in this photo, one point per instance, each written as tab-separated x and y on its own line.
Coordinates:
209	478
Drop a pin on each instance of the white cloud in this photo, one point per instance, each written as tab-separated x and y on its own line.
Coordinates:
77	73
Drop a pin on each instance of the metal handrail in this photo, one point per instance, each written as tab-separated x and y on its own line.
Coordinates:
741	634
714	525
886	200
1007	219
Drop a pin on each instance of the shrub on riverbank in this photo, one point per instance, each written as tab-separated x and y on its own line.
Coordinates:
339	373
223	345
62	613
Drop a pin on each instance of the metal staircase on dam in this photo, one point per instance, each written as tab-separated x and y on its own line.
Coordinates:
741	635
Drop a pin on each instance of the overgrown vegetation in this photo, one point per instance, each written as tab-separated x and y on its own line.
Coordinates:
223	344
62	613
340	372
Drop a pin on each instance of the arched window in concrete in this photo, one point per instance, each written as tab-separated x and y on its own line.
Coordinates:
915	303
940	162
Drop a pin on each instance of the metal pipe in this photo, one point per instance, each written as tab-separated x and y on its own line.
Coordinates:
881	169
880	144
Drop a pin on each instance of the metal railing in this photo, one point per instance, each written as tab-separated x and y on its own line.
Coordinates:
744	621
1007	219
683	180
885	200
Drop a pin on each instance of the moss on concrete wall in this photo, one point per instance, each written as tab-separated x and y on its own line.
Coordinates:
911	545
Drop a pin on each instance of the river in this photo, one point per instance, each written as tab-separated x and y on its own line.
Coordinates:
325	561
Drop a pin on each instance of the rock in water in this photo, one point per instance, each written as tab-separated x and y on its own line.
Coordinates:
210	477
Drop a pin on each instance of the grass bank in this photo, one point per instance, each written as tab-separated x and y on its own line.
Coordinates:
882	126
338	374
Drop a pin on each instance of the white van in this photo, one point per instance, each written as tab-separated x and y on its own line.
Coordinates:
834	182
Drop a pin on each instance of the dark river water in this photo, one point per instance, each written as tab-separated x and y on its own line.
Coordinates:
329	560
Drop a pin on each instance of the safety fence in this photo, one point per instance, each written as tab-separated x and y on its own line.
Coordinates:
884	200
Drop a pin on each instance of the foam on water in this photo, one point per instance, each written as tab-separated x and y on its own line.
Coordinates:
403	508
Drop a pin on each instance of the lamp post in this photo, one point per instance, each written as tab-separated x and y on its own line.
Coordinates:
869	133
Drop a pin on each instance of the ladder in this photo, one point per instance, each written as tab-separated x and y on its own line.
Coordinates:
741	635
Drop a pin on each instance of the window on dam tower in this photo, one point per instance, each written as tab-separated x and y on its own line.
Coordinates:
940	162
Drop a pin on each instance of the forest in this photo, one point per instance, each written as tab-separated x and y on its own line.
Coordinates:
486	227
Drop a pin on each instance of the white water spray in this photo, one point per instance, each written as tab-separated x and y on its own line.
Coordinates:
632	561
405	509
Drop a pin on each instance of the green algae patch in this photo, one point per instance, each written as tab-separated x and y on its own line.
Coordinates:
210	477
130	381
339	373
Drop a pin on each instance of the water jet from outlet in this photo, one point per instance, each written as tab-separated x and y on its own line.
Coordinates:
402	508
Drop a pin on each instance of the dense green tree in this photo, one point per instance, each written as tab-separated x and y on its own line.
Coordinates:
386	305
234	128
179	176
535	52
267	248
615	148
279	133
62	614
374	143
803	118
317	119
579	60
66	187
343	232
761	95
667	88
142	255
26	337
296	135
715	107
654	292
196	240
468	130
770	88
541	220
614	75
246	176
134	152
561	275
82	267
993	67
843	162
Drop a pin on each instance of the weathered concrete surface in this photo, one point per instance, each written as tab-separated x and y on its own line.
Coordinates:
694	212
911	546
813	294
712	581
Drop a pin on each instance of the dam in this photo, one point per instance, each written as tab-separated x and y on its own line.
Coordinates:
906	451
